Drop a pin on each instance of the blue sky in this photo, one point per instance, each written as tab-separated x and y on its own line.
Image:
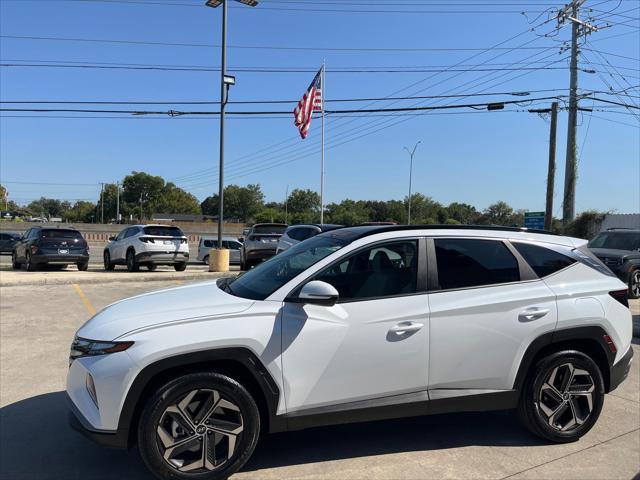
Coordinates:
466	155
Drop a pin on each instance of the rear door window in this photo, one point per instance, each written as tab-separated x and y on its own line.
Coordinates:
467	263
543	261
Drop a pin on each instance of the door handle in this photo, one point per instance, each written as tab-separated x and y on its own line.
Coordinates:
406	327
533	313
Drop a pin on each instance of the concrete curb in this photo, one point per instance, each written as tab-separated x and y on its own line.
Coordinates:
155	277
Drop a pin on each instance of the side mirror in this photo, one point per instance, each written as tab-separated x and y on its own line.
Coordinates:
112	238
241	239
318	293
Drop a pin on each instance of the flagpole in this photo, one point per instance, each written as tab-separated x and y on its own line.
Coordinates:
322	155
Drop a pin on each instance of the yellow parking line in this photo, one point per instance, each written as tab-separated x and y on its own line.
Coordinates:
85	300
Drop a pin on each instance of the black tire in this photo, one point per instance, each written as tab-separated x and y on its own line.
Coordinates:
206	260
538	396
180	267
30	266
132	263
152	267
108	264
154	417
634	283
15	264
83	266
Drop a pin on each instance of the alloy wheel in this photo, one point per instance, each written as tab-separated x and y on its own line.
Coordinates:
566	398
200	432
635	284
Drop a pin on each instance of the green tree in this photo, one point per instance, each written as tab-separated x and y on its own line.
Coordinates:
499	213
463	213
425	210
140	188
50	207
270	215
82	211
303	206
175	200
242	203
110	200
347	212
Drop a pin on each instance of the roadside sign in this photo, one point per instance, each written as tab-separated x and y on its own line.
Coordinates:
534	220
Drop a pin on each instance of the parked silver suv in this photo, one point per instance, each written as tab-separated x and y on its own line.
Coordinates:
298	233
260	243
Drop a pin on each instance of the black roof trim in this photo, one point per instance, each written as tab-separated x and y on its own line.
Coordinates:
354	233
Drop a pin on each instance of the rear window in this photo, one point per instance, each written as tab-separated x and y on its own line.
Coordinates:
543	261
60	233
163	231
616	241
269	229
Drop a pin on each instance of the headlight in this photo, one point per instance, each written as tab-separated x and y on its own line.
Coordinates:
82	347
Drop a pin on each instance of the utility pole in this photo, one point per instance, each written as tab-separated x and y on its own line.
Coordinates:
141	207
102	203
411	154
551	173
571	12
117	202
286	204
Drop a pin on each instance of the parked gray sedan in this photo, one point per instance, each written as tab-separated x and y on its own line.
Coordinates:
297	233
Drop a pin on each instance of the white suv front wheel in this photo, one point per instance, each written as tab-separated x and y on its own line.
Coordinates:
198	426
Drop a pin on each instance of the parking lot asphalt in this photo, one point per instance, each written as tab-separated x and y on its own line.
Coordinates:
37	324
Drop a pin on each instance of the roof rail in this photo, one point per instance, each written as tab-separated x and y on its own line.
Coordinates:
370	230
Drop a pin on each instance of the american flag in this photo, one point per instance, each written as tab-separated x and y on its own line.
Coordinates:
311	102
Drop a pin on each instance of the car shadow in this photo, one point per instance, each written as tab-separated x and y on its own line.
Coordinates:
37	442
390	436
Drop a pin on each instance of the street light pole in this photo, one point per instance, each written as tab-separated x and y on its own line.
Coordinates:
411	154
223	103
225	82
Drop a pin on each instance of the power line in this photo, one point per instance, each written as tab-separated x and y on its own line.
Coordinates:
330	112
264	47
336	100
191	69
316	10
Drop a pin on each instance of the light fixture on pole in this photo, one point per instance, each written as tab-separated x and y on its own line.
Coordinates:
225	82
411	153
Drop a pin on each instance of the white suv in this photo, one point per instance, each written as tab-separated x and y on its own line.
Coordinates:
148	245
353	325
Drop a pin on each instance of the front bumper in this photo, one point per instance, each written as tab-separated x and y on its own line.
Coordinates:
620	370
160	257
106	438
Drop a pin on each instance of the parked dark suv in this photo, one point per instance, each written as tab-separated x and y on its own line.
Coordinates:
619	249
50	246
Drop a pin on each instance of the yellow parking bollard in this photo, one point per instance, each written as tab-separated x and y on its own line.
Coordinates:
219	260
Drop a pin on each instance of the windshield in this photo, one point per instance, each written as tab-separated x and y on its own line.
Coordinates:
616	241
266	278
269	229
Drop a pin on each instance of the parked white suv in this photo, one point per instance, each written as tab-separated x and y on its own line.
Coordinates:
148	245
352	325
